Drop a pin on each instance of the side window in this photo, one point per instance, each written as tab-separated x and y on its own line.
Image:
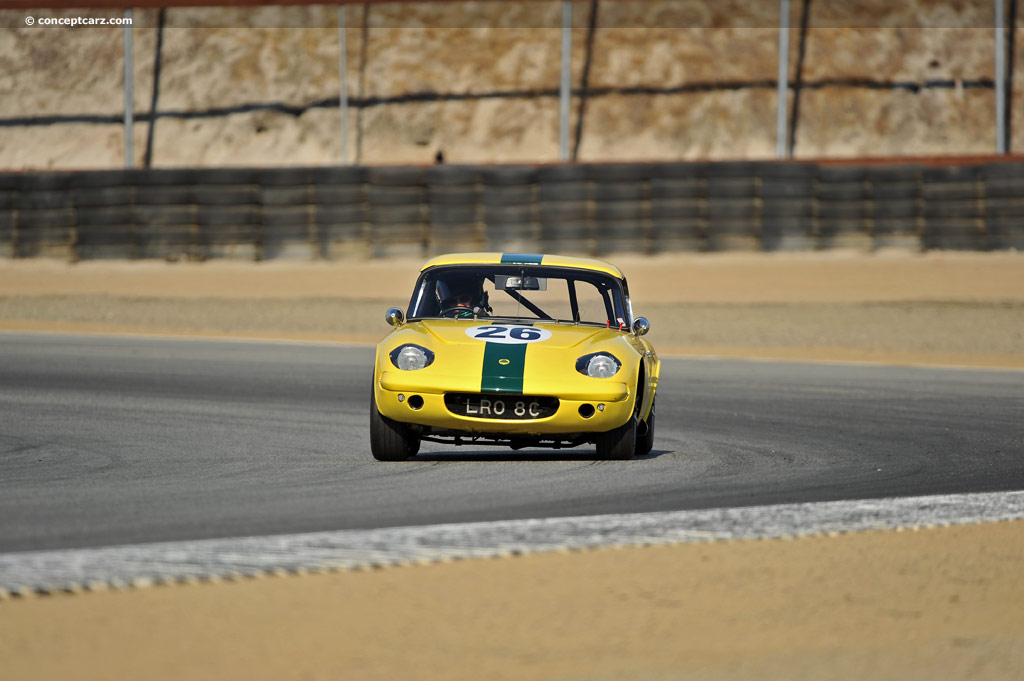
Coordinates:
591	302
620	311
423	303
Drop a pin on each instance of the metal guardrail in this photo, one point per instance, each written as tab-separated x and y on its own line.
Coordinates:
338	212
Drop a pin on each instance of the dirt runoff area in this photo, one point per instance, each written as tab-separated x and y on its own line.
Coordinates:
935	604
940	603
899	307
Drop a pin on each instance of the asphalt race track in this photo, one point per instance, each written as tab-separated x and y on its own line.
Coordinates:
110	440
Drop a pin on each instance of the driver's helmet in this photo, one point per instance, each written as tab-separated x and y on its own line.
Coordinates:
459	291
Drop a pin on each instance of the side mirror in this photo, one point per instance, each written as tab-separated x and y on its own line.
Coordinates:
641	326
394	316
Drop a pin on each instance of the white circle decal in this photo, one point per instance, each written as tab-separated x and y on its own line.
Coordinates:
510	334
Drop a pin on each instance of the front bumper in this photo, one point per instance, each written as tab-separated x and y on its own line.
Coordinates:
615	400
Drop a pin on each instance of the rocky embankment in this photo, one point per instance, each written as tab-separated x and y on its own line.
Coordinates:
478	82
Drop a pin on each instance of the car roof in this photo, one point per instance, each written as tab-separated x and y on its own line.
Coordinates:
591	264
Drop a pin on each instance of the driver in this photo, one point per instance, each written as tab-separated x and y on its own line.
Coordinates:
461	296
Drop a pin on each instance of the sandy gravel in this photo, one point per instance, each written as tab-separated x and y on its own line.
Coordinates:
940	308
793	277
934	604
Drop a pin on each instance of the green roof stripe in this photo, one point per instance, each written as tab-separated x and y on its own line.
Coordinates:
521	259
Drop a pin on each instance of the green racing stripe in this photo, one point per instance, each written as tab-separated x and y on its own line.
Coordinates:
498	377
507	378
520	259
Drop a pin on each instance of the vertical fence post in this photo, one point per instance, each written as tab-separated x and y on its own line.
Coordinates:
783	85
1000	79
565	92
129	155
343	83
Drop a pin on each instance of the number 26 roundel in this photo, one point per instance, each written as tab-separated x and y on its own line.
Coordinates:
510	334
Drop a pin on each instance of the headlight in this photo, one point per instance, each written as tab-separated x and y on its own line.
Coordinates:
598	365
411	357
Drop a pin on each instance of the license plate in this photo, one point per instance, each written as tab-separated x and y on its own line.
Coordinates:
501	407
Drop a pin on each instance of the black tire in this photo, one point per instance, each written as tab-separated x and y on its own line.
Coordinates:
390	440
645	442
509	176
344	175
397	176
618	444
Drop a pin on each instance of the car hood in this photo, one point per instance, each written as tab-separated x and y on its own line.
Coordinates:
469	332
491	356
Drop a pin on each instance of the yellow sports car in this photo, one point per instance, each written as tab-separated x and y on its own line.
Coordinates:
516	350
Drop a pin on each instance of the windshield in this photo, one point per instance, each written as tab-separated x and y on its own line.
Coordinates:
522	293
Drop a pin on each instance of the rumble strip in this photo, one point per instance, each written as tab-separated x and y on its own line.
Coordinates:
73	571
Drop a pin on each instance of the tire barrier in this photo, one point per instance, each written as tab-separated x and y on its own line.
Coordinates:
589	209
622	208
788	208
1004	205
453	196
953	212
509	198
565	210
397	205
679	208
895	197
844	208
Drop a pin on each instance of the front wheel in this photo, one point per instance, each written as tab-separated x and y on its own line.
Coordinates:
390	440
618	444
